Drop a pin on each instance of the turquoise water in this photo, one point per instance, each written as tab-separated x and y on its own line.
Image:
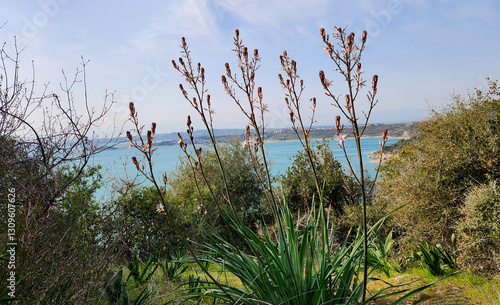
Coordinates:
117	163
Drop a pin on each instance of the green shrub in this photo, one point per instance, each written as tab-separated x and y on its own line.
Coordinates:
247	192
141	228
458	148
298	181
479	229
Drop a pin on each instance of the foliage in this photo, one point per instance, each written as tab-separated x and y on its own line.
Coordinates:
300	267
116	290
298	181
142	229
242	183
479	228
378	254
139	273
437	260
458	148
174	267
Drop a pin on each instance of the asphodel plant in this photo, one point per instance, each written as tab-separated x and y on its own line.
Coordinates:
295	265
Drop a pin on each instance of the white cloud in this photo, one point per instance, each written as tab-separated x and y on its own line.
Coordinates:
190	18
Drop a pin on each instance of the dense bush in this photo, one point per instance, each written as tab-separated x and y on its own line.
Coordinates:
299	186
141	228
247	192
479	229
459	147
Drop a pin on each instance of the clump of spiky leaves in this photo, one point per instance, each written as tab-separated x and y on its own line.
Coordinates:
298	266
436	259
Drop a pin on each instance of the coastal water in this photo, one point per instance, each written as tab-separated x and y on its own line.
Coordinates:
117	163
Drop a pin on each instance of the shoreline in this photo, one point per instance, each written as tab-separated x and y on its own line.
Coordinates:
276	141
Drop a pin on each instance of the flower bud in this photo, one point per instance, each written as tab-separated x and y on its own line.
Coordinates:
363	36
281	79
228	69
323	79
134	159
237	33
129	136
323	34
175	65
245	53
132	108
188	121
153	127
374	82
184	92
338	127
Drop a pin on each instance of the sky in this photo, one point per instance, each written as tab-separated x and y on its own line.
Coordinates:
423	51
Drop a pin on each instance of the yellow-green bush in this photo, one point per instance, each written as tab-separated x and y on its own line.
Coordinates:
479	228
459	147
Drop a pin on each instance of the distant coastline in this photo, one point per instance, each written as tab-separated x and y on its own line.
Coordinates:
396	131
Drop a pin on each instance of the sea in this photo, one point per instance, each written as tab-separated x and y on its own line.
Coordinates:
117	163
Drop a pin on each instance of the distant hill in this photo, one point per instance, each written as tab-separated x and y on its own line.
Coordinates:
393	149
398	130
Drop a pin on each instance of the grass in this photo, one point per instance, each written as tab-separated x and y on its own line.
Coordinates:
466	287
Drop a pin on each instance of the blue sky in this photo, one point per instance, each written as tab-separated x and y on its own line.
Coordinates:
422	50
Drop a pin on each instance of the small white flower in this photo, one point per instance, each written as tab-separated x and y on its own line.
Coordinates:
159	208
341	139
